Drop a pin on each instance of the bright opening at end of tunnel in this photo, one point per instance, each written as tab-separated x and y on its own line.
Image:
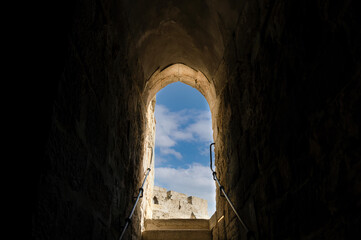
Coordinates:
183	136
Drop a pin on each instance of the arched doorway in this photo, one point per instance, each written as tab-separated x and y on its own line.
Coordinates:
160	79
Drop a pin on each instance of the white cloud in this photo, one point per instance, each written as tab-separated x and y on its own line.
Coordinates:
202	129
185	125
169	151
159	161
163	139
204	149
196	180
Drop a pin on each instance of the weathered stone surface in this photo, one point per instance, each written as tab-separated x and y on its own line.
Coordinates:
92	163
166	224
286	117
171	204
177	234
281	150
176	229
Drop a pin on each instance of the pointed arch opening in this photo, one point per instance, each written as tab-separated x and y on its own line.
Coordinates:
160	79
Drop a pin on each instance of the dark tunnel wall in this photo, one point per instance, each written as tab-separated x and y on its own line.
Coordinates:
86	182
288	146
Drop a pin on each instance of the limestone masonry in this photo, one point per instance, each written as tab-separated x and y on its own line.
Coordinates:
170	204
283	83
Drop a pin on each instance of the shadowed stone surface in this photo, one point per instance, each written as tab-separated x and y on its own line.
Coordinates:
164	224
286	77
286	151
177	235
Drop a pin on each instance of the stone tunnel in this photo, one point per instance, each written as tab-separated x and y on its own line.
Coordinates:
283	82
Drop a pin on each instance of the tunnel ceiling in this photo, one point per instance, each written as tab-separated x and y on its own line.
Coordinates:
190	32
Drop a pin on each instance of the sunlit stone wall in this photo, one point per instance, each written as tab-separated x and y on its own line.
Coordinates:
170	204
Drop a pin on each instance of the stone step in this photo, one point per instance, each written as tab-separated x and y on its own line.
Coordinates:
167	224
189	234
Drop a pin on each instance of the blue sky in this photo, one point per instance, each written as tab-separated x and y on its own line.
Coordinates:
183	135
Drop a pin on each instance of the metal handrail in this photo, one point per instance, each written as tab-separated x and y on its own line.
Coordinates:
249	233
140	195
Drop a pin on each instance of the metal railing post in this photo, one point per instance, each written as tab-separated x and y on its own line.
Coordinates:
214	174
140	195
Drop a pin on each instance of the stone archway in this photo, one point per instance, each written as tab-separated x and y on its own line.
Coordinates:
160	79
187	75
